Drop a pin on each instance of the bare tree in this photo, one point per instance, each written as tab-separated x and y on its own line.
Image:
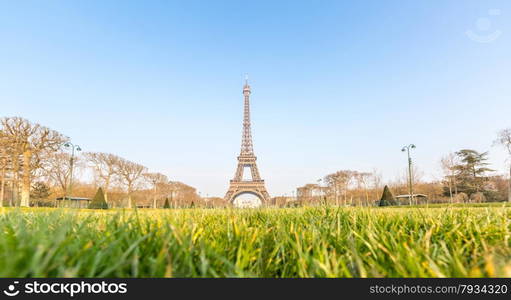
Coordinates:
504	139
340	181
345	178
167	190
105	166
376	179
182	195
155	179
3	165
417	175
10	152
362	179
449	163
56	168
130	174
332	186
30	140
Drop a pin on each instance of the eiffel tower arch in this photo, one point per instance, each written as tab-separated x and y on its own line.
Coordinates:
247	159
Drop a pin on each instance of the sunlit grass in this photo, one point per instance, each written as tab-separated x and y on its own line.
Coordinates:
295	242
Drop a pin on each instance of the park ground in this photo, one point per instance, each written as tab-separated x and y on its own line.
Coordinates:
459	240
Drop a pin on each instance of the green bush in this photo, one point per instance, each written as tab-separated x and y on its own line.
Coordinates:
167	204
387	198
99	201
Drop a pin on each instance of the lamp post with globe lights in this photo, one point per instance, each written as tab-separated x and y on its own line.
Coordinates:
410	180
73	148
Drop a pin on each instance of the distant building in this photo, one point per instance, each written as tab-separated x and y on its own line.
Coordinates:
144	206
73	202
417	198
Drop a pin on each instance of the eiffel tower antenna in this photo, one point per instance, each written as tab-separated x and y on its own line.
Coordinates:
247	148
247	159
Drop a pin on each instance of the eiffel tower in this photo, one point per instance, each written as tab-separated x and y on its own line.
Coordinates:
247	159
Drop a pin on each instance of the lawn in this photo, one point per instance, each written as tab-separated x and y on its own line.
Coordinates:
439	241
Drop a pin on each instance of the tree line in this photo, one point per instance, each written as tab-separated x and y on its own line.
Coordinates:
35	169
467	177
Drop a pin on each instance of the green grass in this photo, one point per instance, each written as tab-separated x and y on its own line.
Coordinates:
300	242
465	205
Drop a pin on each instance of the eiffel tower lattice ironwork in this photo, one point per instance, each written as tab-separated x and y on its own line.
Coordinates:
247	159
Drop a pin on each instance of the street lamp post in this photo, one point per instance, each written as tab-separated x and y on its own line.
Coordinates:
73	147
320	191
410	180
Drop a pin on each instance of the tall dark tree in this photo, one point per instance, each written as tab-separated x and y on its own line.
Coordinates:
387	198
471	171
166	205
98	202
40	191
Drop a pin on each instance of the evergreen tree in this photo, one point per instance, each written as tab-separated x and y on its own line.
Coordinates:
98	202
167	204
471	171
387	198
40	191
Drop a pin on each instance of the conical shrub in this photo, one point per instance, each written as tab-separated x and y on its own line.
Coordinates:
166	204
98	202
387	198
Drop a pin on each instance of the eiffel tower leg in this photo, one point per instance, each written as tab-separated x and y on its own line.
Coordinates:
255	172
239	173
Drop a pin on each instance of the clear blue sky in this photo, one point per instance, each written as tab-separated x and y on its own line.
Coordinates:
336	84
